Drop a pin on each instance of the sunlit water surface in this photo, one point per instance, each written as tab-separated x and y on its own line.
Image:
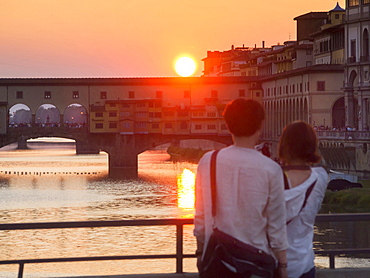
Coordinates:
49	183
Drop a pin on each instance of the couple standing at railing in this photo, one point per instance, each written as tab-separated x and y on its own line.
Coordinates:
245	221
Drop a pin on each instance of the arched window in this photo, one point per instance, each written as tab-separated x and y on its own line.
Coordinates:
338	113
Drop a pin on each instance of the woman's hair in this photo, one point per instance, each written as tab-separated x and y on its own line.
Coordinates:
244	116
299	141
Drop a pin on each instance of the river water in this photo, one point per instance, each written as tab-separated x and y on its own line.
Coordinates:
48	182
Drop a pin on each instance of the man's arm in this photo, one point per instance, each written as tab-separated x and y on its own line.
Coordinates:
282	263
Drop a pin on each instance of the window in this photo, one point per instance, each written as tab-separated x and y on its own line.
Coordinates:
211	114
211	127
98	114
159	94
126	125
140	104
140	125
125	114
214	94
366	2
155	126
353	50
112	105
126	105
19	94
131	94
353	3
186	94
103	95
365	45
140	114
308	63
169	114
198	127
98	125
183	125
241	93
112	114
324	46
47	95
168	125
112	125
223	127
158	115
321	85
183	113
75	94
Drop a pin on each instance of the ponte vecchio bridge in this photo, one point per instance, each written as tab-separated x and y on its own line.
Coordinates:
126	116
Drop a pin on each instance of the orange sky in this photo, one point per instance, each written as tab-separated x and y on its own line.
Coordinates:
125	38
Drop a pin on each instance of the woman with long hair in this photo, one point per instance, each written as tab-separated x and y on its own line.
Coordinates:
305	187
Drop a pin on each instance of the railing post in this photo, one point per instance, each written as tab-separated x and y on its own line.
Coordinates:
332	260
20	271
179	248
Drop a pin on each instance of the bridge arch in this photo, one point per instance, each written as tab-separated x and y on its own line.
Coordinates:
75	115
338	112
47	115
20	115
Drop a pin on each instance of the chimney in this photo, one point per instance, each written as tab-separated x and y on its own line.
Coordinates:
263	44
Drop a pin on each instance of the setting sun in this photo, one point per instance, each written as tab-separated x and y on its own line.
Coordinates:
185	66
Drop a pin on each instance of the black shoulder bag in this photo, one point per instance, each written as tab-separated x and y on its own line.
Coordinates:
226	256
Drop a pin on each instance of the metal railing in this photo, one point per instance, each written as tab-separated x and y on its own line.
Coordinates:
179	223
179	256
345	135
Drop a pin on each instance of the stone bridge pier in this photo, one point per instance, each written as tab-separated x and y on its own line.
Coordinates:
123	151
123	157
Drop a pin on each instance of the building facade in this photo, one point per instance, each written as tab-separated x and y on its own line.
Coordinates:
357	64
303	79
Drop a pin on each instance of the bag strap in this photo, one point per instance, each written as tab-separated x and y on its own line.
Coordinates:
308	192
213	181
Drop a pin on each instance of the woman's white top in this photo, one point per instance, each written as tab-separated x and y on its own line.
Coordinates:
300	254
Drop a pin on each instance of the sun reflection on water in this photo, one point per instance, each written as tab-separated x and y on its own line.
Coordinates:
185	193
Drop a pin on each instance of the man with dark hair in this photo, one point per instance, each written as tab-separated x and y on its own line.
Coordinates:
250	188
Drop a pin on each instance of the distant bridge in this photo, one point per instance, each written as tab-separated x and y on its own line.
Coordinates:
123	150
126	116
